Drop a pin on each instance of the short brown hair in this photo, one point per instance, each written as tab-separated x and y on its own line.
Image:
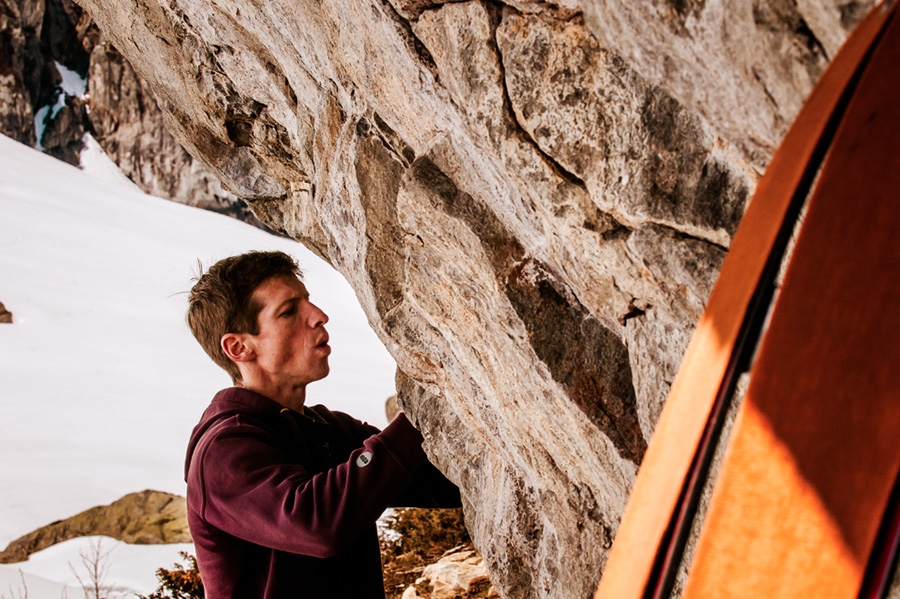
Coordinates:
221	300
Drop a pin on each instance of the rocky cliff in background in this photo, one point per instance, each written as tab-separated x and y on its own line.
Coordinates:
41	38
129	126
34	36
531	199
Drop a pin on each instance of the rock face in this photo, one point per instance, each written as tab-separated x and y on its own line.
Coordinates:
20	25
145	518
531	199
747	68
35	35
42	40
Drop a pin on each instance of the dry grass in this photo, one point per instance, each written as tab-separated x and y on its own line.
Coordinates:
424	536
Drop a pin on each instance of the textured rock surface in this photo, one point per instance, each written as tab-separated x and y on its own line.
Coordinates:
746	67
34	34
145	518
893	591
57	43
531	212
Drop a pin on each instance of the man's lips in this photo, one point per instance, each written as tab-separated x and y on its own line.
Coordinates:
323	343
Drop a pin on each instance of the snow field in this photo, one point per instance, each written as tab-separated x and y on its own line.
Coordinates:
101	381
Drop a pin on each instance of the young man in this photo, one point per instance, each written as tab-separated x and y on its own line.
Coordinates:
282	497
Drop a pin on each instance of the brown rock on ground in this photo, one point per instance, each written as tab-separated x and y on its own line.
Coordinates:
145	518
460	574
392	408
5	315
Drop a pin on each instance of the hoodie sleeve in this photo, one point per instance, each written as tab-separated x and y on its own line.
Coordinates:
250	488
429	488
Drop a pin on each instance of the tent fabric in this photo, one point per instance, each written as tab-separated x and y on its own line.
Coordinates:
816	446
669	458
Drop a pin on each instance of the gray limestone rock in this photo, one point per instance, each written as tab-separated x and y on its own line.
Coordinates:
532	212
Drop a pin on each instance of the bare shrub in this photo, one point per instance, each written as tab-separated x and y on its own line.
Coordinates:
95	562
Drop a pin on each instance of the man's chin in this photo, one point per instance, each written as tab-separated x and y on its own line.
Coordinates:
323	372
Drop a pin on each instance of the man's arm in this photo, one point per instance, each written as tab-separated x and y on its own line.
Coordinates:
250	488
429	488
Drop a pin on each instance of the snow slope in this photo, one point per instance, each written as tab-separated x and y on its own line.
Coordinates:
100	379
58	572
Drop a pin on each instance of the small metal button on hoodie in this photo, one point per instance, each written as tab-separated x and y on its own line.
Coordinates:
364	459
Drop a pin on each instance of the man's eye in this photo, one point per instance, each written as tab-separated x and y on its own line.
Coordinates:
288	312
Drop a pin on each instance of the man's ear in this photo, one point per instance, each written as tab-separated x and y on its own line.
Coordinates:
236	347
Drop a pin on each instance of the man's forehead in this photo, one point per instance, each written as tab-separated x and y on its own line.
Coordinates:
277	290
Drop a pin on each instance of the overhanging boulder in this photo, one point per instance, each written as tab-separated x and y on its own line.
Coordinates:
531	210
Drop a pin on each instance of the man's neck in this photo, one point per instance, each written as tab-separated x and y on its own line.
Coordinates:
290	397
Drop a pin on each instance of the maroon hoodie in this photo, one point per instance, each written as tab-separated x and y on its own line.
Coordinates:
283	504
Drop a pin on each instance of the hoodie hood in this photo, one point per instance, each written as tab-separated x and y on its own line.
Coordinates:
229	403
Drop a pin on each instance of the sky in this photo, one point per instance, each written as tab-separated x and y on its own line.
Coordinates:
101	381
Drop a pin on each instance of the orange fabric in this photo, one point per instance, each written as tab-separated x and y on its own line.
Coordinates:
816	447
769	473
687	410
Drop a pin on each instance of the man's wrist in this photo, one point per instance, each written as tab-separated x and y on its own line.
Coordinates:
403	440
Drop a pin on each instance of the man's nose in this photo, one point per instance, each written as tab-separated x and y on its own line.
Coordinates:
317	316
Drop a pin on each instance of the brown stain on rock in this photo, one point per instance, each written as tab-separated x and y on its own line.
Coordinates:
681	180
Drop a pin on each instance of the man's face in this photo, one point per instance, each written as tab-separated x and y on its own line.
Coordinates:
292	345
